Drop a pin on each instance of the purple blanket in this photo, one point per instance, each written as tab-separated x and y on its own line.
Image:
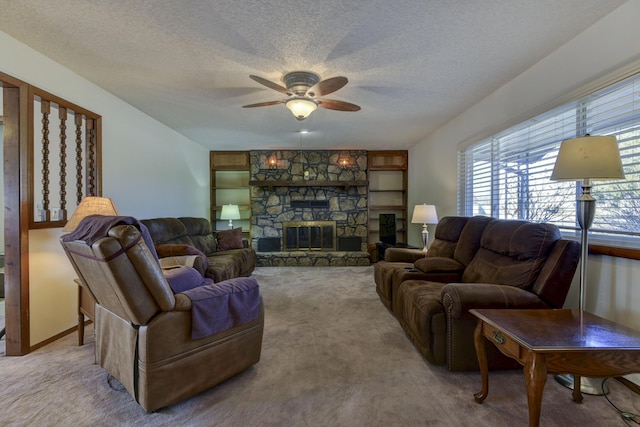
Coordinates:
224	305
94	227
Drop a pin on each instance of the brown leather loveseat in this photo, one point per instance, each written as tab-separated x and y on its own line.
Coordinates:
476	262
228	256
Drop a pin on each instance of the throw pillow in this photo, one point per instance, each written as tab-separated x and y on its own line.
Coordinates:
230	239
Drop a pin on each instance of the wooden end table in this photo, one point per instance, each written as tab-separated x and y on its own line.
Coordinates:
555	342
86	307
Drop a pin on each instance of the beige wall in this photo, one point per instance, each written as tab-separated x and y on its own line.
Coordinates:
607	49
149	170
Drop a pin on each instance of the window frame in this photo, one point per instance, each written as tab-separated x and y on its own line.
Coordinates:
604	241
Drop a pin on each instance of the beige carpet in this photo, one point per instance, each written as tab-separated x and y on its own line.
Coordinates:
332	356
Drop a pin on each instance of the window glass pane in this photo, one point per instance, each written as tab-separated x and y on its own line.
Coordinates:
508	175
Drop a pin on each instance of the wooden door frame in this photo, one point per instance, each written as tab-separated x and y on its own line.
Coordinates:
16	219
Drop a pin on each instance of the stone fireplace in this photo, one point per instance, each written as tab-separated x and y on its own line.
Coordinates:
295	195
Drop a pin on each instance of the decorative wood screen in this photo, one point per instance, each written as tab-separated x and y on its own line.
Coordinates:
64	160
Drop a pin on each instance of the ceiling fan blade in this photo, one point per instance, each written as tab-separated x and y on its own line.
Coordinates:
270	84
327	86
333	104
263	104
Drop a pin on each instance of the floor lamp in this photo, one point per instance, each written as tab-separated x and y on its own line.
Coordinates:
586	159
424	214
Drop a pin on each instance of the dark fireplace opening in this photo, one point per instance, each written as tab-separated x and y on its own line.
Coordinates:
309	235
350	243
269	244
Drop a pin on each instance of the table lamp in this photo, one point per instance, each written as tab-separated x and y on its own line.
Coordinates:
90	205
230	212
587	159
424	214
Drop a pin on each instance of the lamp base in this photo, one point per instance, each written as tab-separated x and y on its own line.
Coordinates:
425	238
592	386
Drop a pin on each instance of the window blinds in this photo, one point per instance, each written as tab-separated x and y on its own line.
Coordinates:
508	175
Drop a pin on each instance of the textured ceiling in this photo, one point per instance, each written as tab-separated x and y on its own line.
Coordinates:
412	65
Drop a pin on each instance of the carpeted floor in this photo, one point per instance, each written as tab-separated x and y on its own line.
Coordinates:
332	356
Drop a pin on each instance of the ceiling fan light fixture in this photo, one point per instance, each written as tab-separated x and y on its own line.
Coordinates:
301	107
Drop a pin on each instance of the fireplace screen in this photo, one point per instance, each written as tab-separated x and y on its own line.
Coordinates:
309	235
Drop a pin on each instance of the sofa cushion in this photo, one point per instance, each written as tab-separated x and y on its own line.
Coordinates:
469	241
167	231
446	236
199	229
511	253
225	265
230	239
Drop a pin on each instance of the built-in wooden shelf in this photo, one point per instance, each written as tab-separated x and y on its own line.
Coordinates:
310	183
387	208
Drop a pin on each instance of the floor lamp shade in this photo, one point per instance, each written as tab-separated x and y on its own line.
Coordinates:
588	157
90	205
585	159
230	212
424	214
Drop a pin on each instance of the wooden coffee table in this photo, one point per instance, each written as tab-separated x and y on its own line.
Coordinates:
555	342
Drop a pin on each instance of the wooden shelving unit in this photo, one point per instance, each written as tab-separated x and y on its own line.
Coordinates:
345	184
230	174
387	192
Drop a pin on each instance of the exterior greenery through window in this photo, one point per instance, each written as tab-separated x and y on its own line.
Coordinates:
508	175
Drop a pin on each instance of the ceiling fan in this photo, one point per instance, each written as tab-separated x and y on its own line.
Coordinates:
302	89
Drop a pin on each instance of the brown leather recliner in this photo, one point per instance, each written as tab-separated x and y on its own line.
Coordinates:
144	331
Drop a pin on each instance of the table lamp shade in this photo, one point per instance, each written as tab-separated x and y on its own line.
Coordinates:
90	205
424	214
588	157
230	212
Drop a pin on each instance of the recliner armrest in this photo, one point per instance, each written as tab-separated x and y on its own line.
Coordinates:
458	298
183	303
439	264
403	254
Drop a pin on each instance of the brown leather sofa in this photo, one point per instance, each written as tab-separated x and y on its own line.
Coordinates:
144	332
196	232
476	262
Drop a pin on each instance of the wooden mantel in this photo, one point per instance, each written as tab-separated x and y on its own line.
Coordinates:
309	183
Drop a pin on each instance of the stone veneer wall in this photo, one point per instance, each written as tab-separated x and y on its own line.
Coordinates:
271	206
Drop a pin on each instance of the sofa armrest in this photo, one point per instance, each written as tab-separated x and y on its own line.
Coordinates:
459	298
403	254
